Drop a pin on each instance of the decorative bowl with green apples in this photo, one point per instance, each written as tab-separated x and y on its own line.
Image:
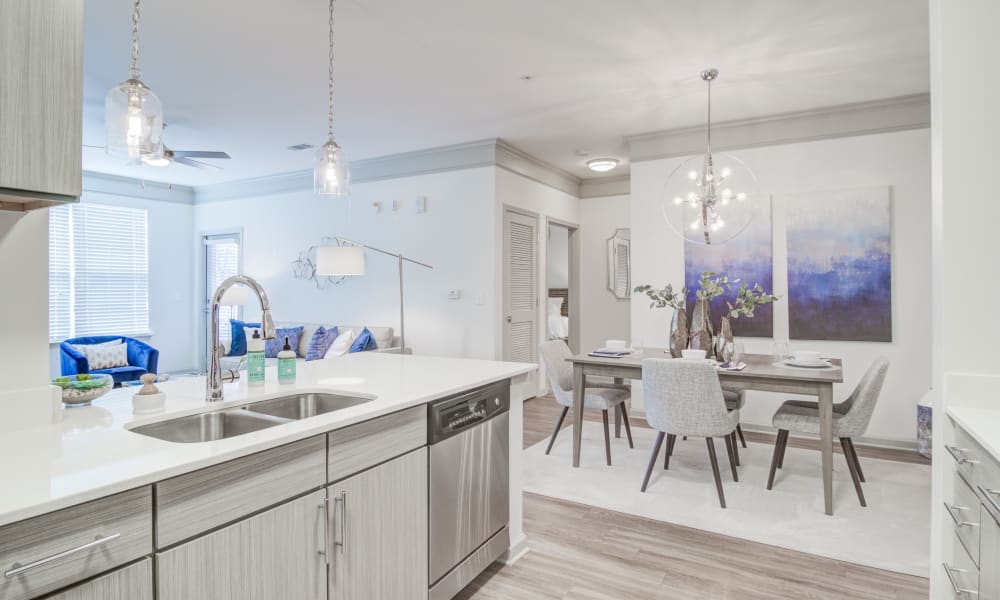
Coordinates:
82	389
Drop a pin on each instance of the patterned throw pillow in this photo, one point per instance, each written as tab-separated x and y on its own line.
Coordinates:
321	342
105	356
273	347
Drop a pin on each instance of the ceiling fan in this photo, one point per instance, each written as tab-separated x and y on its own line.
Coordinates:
181	157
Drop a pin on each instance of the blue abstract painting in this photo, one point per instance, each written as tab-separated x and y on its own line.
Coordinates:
840	265
746	257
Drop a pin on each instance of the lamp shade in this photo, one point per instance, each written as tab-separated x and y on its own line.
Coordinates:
340	261
236	295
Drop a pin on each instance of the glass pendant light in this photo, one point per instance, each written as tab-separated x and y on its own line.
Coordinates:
133	115
331	175
710	199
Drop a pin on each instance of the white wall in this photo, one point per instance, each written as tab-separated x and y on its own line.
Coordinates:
900	160
606	317
557	261
454	236
172	316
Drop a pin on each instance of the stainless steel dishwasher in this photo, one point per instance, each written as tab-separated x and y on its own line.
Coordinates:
469	486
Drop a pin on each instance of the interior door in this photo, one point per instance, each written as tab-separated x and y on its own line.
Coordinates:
520	287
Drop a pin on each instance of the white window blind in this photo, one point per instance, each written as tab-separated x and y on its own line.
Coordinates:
98	271
222	261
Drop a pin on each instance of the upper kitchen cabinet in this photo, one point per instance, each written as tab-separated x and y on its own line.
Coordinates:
41	102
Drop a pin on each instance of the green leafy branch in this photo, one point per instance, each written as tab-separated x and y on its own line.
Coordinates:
748	299
712	285
662	298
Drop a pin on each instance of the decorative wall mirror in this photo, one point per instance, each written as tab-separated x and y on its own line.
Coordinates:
620	264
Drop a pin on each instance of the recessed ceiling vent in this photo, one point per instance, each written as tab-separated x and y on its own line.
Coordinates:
300	147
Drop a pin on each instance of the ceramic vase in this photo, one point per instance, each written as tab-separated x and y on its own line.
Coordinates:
678	332
724	340
702	337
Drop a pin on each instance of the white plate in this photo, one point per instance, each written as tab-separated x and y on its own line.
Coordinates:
808	364
625	351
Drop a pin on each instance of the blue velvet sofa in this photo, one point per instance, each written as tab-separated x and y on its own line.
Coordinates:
142	358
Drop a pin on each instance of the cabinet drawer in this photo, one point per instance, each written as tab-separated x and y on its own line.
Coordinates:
362	446
60	548
962	574
193	503
134	582
964	513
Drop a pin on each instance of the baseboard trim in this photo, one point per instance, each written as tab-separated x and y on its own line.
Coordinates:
515	552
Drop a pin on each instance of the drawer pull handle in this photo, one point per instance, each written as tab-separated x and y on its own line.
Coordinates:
18	568
958	522
957	589
959	455
991	496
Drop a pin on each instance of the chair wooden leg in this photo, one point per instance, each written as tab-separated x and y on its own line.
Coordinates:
777	454
628	426
671	440
736	448
715	471
739	432
853	468
562	417
652	458
730	447
784	446
618	421
607	437
857	463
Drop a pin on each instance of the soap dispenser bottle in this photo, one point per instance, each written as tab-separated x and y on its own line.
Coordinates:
286	364
255	359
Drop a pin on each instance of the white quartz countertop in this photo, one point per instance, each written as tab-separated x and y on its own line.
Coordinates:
90	452
983	424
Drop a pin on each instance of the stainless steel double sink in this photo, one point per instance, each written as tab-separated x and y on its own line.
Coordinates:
222	424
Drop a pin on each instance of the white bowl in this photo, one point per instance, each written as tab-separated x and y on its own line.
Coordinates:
806	356
692	354
614	344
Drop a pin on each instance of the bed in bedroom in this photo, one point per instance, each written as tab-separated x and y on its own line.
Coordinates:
557	314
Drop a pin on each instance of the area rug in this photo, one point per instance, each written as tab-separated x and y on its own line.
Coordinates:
892	533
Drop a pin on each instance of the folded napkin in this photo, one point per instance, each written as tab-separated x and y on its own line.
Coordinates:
610	353
736	367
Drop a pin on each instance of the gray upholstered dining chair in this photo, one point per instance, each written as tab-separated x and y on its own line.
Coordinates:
603	397
685	398
850	420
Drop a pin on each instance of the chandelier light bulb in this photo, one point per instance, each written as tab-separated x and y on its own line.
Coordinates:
741	196
678	200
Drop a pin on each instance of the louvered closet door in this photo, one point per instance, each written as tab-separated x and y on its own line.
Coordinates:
520	288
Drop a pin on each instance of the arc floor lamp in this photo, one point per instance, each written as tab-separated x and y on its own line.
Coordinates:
347	259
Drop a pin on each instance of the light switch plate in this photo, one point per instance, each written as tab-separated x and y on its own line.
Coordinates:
454	294
421	204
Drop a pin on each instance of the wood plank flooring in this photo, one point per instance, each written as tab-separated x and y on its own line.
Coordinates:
587	553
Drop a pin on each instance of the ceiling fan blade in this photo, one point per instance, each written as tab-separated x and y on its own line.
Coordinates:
195	163
90	146
200	154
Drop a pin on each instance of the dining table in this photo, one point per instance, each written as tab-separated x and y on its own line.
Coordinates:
763	372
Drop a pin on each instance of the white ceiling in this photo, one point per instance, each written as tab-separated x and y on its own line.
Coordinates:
249	76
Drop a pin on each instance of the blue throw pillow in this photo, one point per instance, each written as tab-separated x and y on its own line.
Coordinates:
321	342
273	347
365	342
238	346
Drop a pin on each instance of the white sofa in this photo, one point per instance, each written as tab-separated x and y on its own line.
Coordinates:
385	341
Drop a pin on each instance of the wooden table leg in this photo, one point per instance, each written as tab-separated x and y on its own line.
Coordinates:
618	412
579	385
826	442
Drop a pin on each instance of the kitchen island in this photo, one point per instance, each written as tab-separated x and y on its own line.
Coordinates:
208	494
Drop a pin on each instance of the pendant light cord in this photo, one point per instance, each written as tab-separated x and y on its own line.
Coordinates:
134	70
329	114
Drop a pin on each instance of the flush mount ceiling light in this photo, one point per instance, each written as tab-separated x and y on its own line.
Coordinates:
133	115
331	174
710	199
602	165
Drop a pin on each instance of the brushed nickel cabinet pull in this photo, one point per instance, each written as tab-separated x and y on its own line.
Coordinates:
343	521
958	522
18	568
959	455
955	587
325	509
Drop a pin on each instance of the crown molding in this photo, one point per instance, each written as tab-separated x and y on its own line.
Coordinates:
848	120
616	185
518	161
116	185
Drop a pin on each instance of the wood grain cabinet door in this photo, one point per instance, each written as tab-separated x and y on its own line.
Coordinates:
134	582
274	555
379	532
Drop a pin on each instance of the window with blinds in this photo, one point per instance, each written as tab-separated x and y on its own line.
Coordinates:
222	261
98	271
